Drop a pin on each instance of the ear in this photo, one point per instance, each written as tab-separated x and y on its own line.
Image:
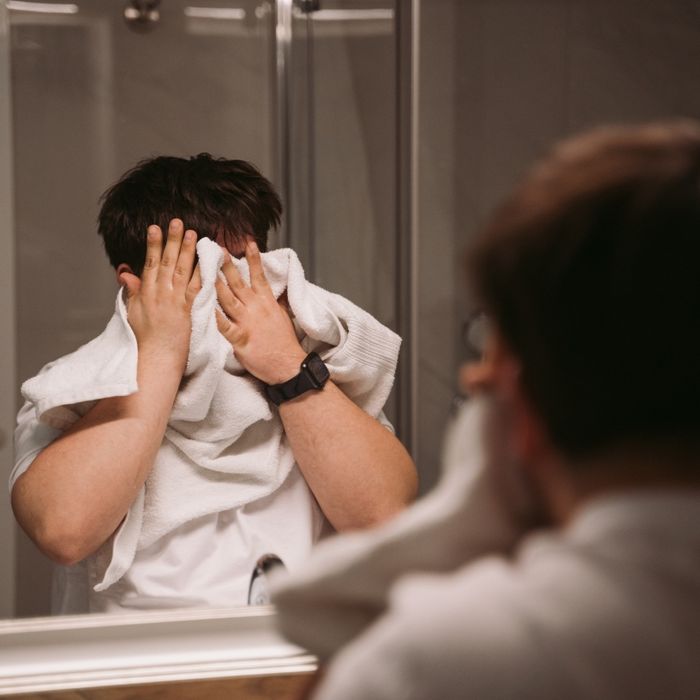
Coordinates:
530	441
126	278
122	267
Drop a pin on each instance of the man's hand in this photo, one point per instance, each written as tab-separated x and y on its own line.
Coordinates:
256	324
159	304
358	471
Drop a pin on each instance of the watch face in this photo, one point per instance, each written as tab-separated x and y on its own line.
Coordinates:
317	369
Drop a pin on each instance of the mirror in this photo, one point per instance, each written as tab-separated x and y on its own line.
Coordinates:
93	87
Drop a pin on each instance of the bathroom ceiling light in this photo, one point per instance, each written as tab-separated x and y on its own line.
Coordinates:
233	13
351	15
43	7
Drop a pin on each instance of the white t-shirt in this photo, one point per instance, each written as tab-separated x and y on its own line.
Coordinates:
607	609
206	562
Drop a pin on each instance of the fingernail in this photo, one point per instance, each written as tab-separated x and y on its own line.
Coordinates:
152	233
253	246
190	236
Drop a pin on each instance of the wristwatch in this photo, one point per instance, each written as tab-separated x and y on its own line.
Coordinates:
313	375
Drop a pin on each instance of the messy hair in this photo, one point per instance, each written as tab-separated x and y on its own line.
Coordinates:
215	197
591	271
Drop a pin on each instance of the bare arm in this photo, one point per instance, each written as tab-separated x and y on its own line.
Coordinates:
357	469
79	488
359	472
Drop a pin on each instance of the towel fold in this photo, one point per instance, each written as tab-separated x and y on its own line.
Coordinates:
224	446
479	506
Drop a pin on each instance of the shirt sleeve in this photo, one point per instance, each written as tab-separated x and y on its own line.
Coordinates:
385	422
453	637
31	437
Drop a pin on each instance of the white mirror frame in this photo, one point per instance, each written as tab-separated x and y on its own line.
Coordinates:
106	650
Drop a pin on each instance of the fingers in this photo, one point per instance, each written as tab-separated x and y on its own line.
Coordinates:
182	273
228	300
171	252
170	265
258	281
233	277
154	247
226	326
194	286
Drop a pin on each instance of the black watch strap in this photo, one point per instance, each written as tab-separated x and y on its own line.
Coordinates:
313	375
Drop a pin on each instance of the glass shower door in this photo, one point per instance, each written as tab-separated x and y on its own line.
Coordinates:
345	153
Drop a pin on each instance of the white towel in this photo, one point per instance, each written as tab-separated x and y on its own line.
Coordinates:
479	506
223	446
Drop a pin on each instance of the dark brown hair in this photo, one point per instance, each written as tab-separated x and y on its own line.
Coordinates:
211	195
591	272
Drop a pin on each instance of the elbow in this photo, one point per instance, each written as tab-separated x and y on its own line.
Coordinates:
56	536
60	541
395	501
411	485
391	508
403	493
406	488
62	548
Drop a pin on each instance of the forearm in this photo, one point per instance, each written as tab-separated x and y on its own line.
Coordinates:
77	491
357	469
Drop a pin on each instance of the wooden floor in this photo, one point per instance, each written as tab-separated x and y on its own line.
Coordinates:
291	687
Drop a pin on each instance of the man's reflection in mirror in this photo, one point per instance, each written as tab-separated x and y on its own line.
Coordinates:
229	411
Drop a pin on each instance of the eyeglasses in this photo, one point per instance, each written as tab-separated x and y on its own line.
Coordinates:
475	331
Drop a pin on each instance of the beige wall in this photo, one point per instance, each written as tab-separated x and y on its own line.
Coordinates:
500	81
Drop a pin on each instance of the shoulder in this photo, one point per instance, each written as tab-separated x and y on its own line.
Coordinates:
549	623
444	636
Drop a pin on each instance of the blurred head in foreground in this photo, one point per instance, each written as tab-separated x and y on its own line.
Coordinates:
590	272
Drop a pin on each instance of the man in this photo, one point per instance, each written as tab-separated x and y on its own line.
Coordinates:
589	273
72	489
